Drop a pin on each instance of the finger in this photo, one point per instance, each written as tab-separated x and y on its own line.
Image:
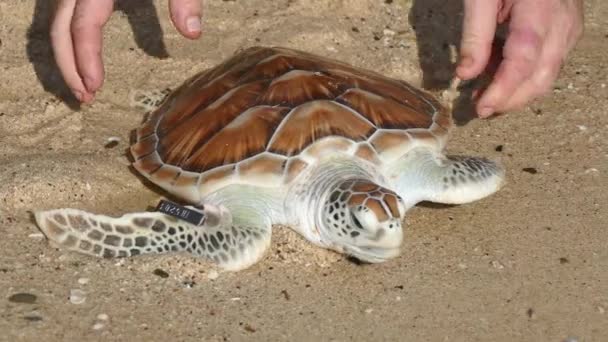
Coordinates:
89	18
504	11
536	86
522	50
479	27
577	16
186	16
63	50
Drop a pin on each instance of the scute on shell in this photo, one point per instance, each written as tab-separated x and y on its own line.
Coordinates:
265	114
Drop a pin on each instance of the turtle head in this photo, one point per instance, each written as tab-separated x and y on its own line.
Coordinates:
363	219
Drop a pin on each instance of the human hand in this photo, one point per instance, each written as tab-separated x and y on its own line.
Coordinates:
540	35
76	38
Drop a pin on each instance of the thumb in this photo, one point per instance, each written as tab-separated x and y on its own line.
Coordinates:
186	16
479	28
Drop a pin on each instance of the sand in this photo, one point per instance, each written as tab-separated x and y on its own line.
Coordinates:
527	264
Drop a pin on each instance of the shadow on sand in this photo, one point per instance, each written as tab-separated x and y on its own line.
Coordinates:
438	25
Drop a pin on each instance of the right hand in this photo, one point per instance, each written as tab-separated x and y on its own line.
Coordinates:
540	35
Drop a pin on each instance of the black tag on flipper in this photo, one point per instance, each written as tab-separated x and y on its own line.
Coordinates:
173	209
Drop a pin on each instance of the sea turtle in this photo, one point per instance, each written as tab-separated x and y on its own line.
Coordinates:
280	136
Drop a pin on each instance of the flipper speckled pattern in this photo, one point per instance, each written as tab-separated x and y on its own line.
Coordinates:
230	245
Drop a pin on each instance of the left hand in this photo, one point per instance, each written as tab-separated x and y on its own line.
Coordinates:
540	35
77	37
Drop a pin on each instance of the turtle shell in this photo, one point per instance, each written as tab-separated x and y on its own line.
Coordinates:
266	114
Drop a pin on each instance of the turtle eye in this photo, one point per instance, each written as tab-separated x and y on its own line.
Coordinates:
356	221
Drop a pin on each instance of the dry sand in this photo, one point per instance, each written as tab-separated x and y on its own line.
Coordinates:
528	264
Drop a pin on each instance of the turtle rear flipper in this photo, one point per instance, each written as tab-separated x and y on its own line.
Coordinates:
232	245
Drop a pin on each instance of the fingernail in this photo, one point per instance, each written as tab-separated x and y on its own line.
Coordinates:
193	24
466	62
475	94
90	84
77	95
485	112
89	98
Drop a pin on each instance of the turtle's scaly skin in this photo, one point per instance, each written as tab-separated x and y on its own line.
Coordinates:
253	119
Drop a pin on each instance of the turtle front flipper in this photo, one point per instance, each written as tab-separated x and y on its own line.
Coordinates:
424	175
232	244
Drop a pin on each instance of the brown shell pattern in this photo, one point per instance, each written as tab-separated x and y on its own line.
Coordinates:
253	116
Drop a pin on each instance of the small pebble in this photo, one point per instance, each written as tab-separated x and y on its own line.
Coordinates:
368	311
530	170
23	298
103	317
582	128
111	142
98	326
189	283
83	281
497	265
161	273
77	296
601	309
388	32
49	109
212	275
36	236
33	317
235	299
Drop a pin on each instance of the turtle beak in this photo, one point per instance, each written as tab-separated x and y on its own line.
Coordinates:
372	255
